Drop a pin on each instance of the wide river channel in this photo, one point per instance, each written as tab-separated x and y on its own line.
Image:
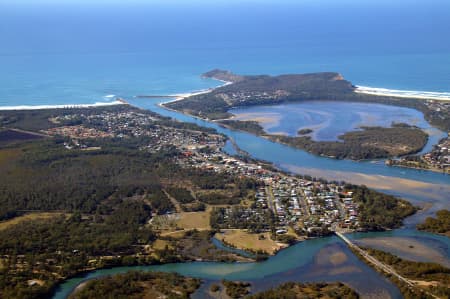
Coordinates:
324	259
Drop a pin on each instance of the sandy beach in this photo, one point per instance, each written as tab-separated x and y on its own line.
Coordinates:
425	95
181	96
64	106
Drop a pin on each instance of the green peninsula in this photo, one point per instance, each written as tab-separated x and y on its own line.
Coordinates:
367	143
265	89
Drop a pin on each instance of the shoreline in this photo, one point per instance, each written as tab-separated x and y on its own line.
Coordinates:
182	96
415	94
118	101
437	170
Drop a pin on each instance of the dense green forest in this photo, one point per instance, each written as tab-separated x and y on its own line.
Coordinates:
263	89
440	224
134	285
379	211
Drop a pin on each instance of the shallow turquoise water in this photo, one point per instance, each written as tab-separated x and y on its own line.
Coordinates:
328	120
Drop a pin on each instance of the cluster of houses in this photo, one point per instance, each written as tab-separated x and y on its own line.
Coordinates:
131	124
439	157
243	96
296	203
438	106
78	132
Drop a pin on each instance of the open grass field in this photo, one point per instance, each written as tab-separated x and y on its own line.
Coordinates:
160	244
244	240
197	220
28	217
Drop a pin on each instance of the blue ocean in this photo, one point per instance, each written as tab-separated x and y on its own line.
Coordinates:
82	52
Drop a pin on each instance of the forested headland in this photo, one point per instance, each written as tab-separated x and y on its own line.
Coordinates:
266	90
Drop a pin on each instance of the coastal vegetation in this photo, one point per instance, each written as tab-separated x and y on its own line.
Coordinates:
369	143
249	126
134	285
236	289
379	211
439	225
311	290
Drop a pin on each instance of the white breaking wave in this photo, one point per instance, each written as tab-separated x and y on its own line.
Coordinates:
110	96
36	107
428	95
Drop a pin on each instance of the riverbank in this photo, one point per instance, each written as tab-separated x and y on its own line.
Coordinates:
402	165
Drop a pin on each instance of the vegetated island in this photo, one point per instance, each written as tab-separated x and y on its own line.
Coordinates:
120	186
438	225
369	143
136	285
170	285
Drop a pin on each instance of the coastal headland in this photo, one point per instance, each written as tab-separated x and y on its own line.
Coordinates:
367	143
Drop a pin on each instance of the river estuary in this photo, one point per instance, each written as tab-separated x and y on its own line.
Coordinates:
324	259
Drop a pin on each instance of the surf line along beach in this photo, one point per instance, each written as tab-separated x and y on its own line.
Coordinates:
425	95
181	96
118	101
